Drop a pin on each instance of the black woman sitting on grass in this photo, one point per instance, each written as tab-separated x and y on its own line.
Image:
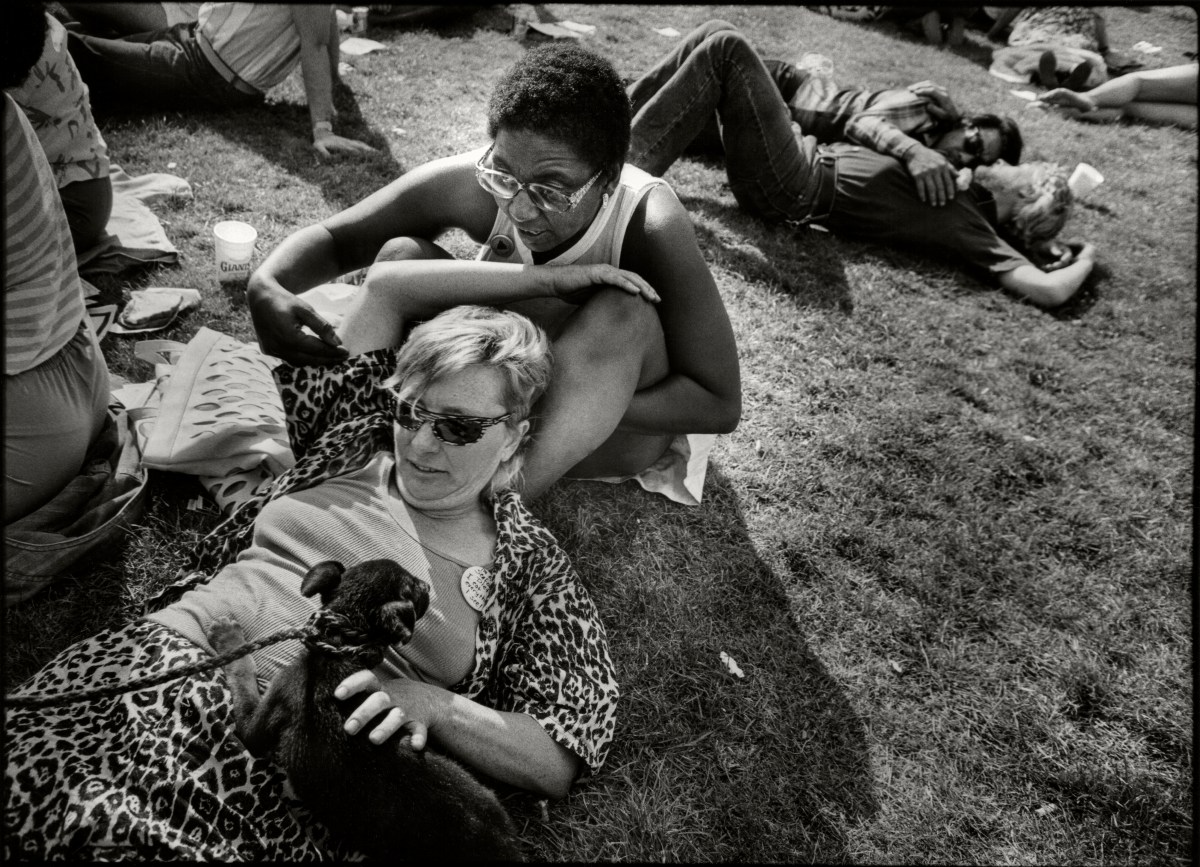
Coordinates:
597	252
404	455
780	175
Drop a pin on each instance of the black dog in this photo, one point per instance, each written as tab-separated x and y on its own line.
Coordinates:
388	800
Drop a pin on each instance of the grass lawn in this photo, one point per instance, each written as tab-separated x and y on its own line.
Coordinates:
950	543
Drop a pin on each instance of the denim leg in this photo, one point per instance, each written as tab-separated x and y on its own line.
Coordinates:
712	70
161	69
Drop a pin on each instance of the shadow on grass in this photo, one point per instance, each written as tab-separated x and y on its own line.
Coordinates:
281	133
802	263
705	766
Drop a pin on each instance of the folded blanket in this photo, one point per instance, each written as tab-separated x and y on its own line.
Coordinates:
134	236
678	475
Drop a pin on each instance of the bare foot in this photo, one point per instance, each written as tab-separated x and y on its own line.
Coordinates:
1064	98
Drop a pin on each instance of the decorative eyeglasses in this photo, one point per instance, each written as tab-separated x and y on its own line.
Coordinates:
545	198
455	430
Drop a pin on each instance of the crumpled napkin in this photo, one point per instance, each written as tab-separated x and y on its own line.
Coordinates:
189	300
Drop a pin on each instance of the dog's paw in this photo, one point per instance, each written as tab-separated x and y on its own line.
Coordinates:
225	633
399	617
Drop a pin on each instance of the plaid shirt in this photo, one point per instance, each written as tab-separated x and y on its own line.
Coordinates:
891	122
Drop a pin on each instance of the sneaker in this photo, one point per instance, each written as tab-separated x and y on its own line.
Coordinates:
1047	70
1078	76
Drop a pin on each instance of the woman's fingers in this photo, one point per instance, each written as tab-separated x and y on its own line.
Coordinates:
373	705
360	681
388	726
633	284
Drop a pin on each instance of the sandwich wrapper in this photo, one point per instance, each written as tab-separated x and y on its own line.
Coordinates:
172	301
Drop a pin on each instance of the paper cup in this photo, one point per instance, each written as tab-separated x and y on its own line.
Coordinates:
1083	180
233	242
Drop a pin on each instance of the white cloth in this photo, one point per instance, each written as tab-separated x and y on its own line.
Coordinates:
133	235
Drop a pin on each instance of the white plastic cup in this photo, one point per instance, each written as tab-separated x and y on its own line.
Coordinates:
233	242
1083	180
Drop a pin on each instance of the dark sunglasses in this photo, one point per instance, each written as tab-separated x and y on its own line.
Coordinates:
973	141
455	430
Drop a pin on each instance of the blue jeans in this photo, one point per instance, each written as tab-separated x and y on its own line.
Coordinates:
162	69
714	69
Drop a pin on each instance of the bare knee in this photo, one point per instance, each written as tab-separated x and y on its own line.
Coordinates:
405	248
615	325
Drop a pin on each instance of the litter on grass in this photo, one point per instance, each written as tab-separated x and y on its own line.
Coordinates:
731	664
667	31
356	45
578	28
555	30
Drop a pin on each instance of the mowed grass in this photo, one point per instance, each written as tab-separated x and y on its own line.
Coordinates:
949	544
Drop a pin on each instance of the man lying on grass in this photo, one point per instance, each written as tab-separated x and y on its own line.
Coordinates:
920	125
779	175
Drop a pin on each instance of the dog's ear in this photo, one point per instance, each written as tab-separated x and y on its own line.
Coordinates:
323	578
399	617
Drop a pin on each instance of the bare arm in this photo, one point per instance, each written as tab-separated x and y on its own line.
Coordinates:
1051	288
887	127
703	390
511	747
422	203
397	293
318	67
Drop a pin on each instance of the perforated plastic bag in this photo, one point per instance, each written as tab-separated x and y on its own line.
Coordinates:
220	417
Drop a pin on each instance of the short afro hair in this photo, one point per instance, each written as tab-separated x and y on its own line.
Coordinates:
568	93
1011	143
21	40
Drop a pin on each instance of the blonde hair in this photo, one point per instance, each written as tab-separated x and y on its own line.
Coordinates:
469	335
1045	204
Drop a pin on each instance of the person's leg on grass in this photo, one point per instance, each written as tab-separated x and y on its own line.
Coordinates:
88	205
148	71
769	172
1175	84
643	89
118	19
52	414
1175	113
610	348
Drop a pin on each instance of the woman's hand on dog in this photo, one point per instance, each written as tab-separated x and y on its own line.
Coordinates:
395	705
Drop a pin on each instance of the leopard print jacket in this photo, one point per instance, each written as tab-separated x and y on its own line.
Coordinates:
540	647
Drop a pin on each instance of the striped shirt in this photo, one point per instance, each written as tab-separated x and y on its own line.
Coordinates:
351	519
890	122
258	42
43	298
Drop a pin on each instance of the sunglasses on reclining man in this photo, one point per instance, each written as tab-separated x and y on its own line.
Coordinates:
973	142
455	430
